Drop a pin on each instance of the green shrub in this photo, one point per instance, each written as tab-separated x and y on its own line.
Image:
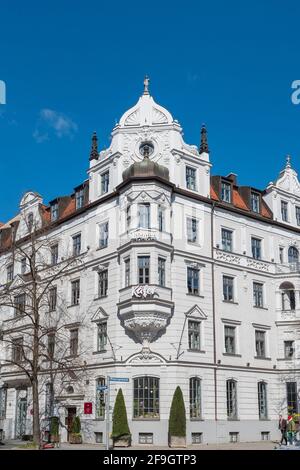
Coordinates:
54	426
120	423
177	420
76	425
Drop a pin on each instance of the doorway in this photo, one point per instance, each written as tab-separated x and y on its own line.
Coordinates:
70	418
21	413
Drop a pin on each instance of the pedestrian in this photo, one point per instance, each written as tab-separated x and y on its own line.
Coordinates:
282	427
291	429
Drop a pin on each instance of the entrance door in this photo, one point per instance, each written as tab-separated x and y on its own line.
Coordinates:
21	413
70	419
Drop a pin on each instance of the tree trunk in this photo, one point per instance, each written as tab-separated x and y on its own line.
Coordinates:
36	412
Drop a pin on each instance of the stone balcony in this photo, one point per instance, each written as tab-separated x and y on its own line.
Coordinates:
142	235
288	268
244	261
288	315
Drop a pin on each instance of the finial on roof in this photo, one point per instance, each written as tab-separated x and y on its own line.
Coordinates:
94	154
203	143
146	85
288	161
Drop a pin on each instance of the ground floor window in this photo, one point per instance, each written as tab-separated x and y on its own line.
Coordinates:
3	395
291	397
197	437
146	397
195	398
100	398
231	393
262	400
145	438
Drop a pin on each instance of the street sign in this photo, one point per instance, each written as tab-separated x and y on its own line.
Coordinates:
101	388
118	379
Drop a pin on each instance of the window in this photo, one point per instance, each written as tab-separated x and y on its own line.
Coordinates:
193	281
52	299
20	304
17	350
195	398
289	349
162	272
144	269
226	239
10	272
74	342
161	218
144	215
54	254
262	400
146	397
298	215
226	192
127	272
128	217
145	438
231	395
103	239
77	244
234	437
255	202
190	177
51	345
229	334
284	211
288	300
192	230
197	437
102	336
54	211
293	255
256	248
30	221
291	397
281	254
102	283
79	198
3	397
75	292
100	398
260	343
258	298
23	265
194	335
99	437
228	288
104	182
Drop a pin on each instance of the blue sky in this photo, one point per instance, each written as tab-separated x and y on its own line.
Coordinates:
72	67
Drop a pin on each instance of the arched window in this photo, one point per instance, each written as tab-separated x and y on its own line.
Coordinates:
30	221
195	398
231	395
262	400
288	299
146	397
100	398
293	254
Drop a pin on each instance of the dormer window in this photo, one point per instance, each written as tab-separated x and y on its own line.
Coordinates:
54	211
255	202
30	221
104	182
190	174
298	215
284	211
79	198
226	191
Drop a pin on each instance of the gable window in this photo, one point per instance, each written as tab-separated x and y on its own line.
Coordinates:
228	283
74	342
54	211
30	221
79	198
284	211
298	215
23	265
144	215
162	272
190	177
146	397
195	398
51	345
161	218
75	292
262	400
256	248
17	349
10	272
144	269
103	239
76	244
226	239
231	396
54	254
226	191
101	336
229	332
20	304
127	272
192	230
193	281
100	398
258	298
291	397
255	202
104	182
289	349
194	335
102	283
260	343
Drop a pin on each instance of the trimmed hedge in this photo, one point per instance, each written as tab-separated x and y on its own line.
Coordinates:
177	420
120	424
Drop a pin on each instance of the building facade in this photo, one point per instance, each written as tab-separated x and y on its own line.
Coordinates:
183	278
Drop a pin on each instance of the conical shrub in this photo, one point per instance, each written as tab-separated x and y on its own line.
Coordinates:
120	423
177	420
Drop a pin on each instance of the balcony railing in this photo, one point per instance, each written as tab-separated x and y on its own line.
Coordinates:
288	268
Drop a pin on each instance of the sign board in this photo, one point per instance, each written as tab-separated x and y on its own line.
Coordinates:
102	388
118	379
88	408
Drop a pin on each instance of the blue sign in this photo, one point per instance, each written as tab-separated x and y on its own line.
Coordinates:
118	379
101	388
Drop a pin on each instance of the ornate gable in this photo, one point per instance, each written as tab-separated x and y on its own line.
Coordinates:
196	312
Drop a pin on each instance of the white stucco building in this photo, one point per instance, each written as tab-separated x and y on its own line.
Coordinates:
184	279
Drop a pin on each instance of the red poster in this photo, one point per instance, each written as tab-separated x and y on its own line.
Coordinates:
88	408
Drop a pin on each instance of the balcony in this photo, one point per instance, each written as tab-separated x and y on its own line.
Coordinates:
142	235
244	261
288	268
